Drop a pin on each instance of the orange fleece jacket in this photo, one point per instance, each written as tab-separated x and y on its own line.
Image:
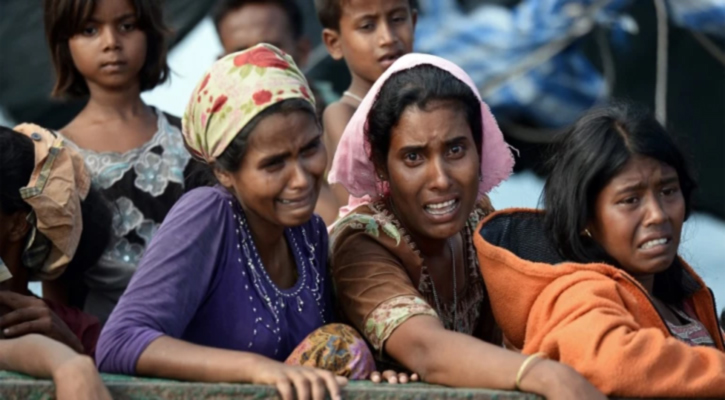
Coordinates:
594	317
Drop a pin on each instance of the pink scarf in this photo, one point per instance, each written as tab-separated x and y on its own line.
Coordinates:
353	169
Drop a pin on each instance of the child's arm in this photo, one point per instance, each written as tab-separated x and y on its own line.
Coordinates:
75	375
334	120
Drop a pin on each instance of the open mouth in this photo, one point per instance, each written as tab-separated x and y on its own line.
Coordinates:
439	209
389	59
296	202
651	244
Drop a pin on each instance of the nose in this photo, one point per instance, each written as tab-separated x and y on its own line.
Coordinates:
655	213
299	178
386	37
438	178
110	39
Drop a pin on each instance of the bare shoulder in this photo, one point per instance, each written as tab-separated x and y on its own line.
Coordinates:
336	117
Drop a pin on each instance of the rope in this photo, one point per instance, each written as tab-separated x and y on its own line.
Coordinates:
662	57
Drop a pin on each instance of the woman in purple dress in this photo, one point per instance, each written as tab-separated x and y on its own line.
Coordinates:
234	286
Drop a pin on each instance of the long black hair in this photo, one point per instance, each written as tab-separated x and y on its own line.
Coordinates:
17	162
588	156
418	86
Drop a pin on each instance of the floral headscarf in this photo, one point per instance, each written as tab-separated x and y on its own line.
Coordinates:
58	185
237	88
353	168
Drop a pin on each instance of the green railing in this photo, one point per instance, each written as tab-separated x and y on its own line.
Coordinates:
15	386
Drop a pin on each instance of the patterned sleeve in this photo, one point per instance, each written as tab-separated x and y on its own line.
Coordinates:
373	287
390	314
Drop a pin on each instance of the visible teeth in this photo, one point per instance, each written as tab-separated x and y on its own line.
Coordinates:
653	243
441	205
441	208
285	201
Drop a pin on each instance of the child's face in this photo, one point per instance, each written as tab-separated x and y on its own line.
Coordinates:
110	50
639	216
373	34
256	23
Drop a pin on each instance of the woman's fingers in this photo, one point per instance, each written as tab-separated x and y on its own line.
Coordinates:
414	377
19	316
403	377
284	387
333	384
34	326
14	300
318	384
302	385
390	376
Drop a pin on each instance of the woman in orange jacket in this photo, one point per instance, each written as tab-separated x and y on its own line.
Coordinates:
595	281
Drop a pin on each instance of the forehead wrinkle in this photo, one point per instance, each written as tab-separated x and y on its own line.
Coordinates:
438	132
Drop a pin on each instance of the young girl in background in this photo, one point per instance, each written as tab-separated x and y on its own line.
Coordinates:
110	51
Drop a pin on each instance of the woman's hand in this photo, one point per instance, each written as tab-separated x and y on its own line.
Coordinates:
308	383
554	380
77	378
393	377
29	314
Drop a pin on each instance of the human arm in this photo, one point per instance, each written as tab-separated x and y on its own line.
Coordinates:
142	336
29	314
605	336
75	375
172	358
454	359
334	121
378	297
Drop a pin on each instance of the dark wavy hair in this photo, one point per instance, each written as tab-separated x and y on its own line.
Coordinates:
66	18
587	157
417	87
17	162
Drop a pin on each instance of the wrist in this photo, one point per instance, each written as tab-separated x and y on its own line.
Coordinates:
541	376
250	366
72	365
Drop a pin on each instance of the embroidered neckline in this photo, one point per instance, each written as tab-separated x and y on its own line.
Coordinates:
380	207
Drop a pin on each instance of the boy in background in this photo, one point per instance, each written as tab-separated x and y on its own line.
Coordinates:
369	35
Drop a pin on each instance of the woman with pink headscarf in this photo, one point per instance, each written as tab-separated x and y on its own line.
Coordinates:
418	158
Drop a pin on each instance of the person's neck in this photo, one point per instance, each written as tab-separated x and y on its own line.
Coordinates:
124	104
268	237
359	86
647	281
430	248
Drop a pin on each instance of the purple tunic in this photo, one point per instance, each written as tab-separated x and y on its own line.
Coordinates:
199	282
